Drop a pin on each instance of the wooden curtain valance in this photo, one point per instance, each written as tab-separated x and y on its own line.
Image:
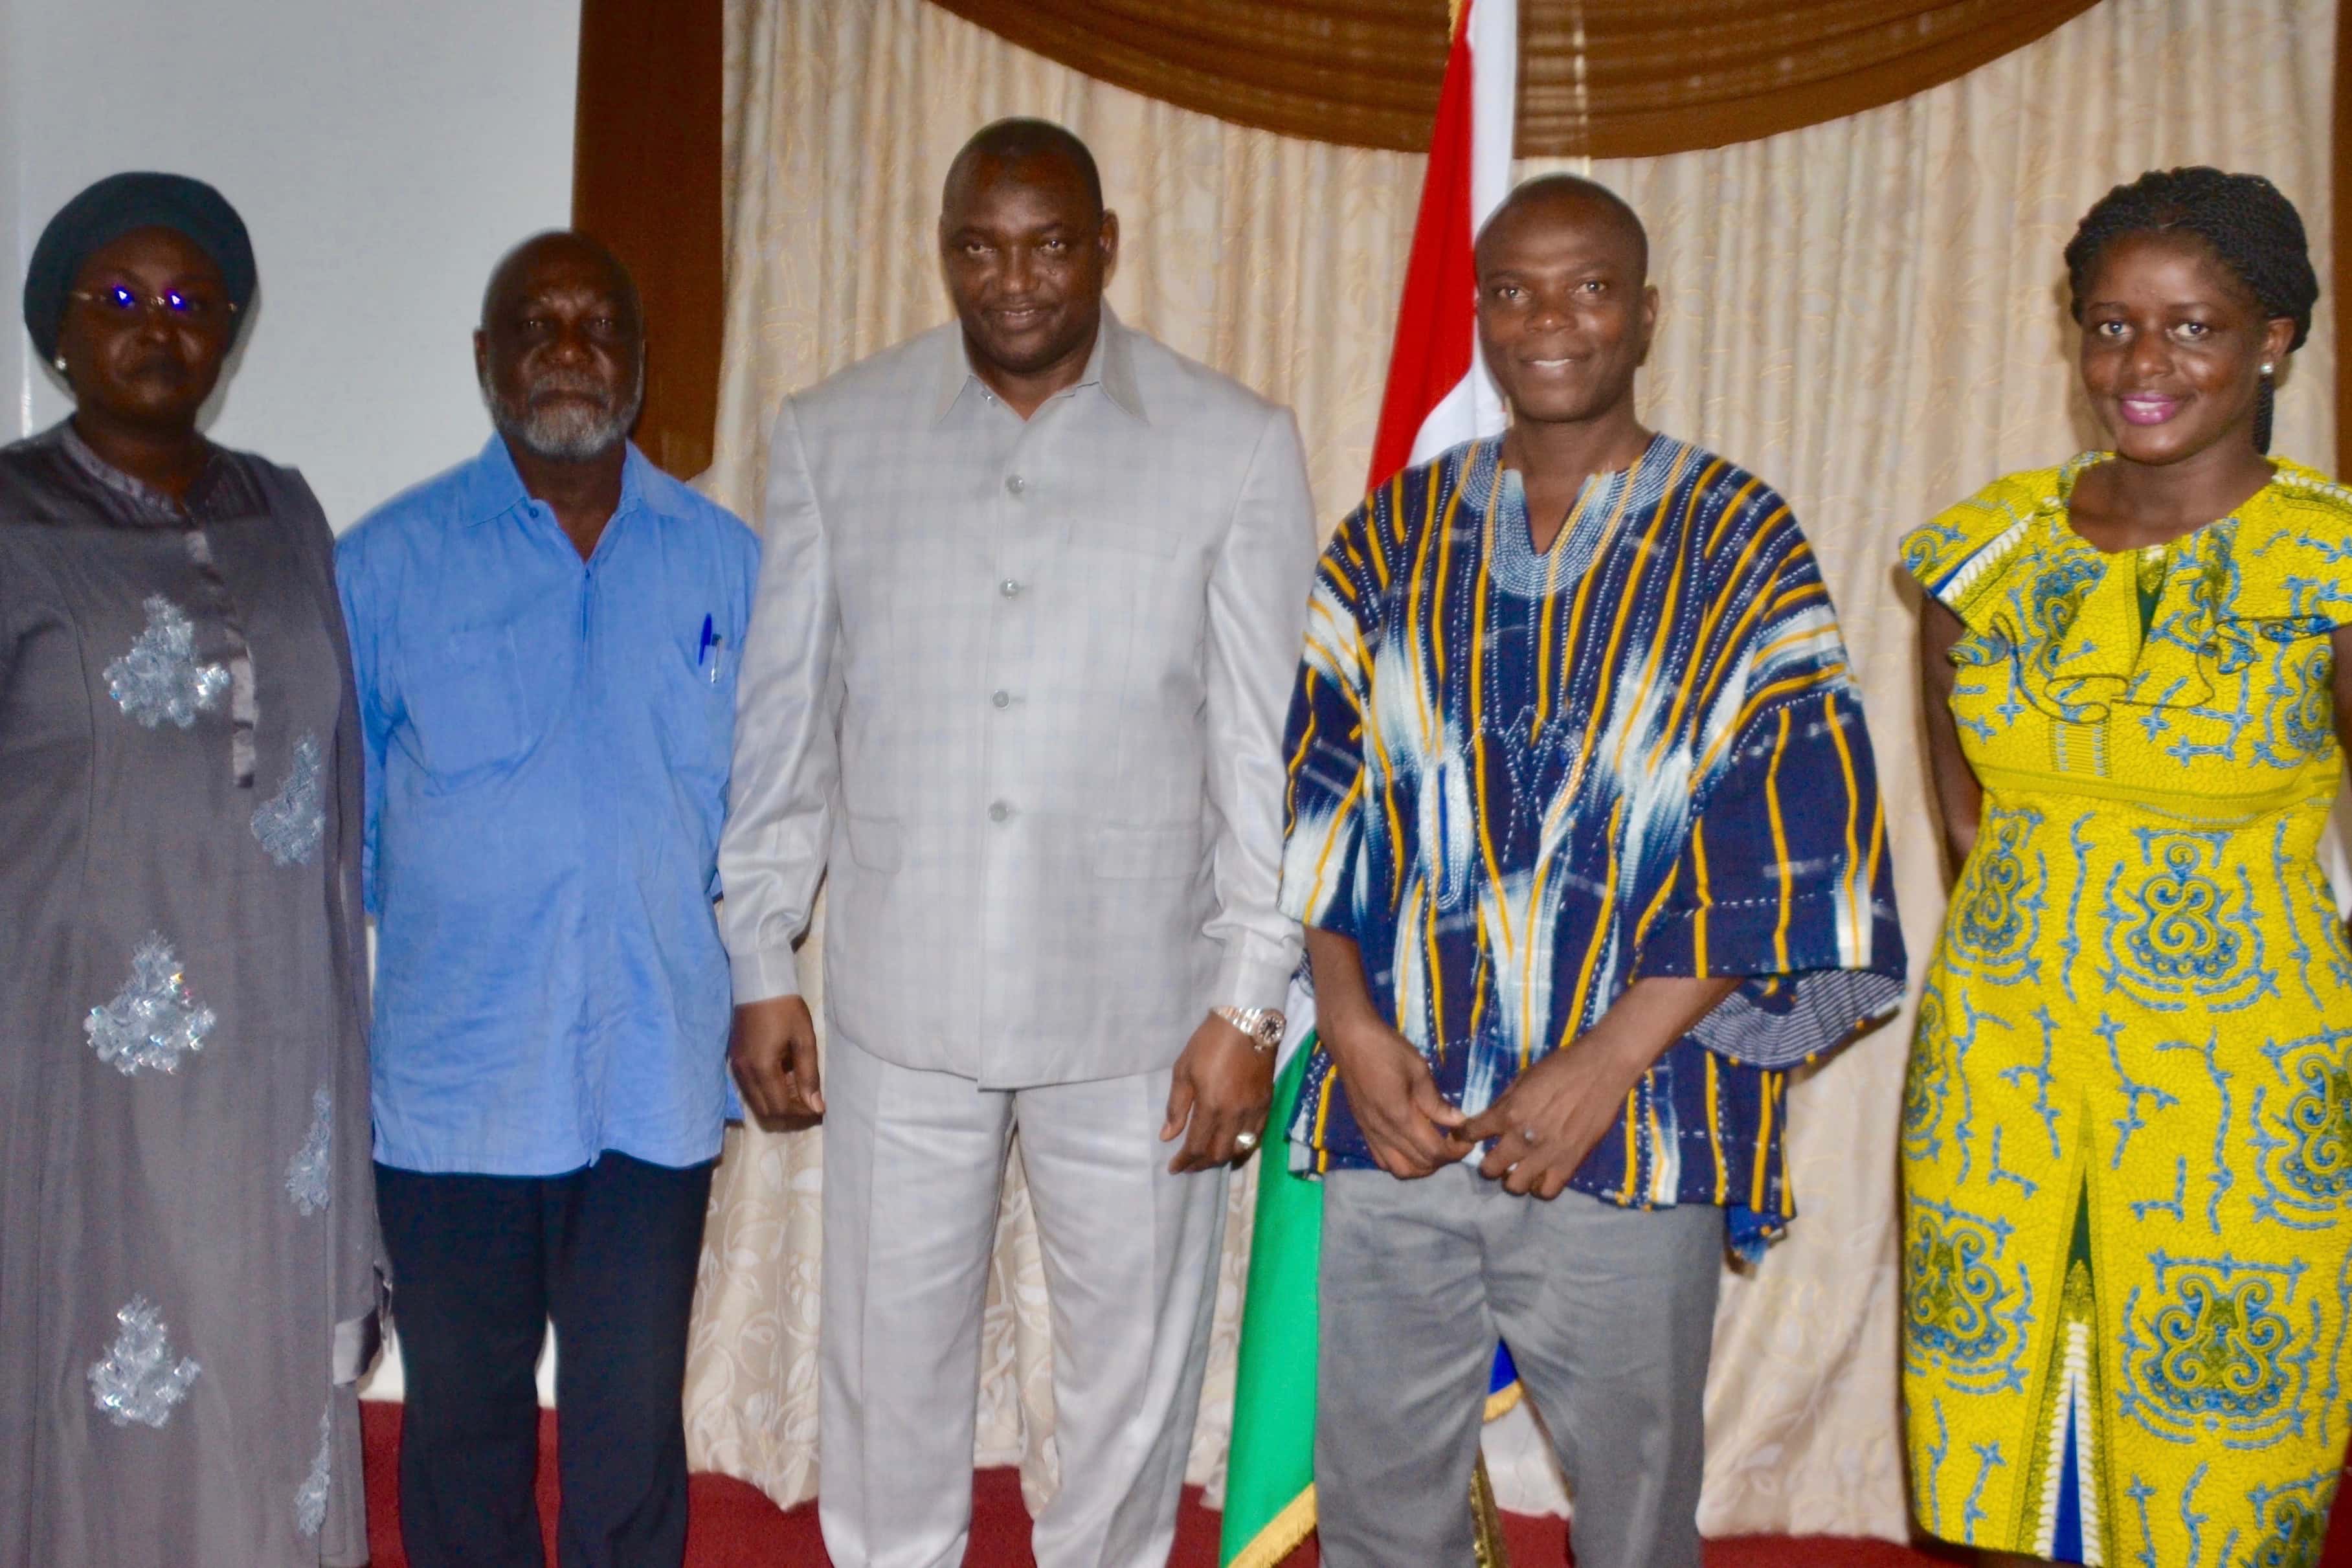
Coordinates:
1606	78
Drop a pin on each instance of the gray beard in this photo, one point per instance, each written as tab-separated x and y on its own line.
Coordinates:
566	433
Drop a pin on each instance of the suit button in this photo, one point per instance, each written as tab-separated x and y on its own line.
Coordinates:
1009	588
1002	699
1016	484
999	812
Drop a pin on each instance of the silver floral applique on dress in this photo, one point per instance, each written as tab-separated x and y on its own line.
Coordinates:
153	1021
310	1497
292	823
306	1174
159	678
137	1379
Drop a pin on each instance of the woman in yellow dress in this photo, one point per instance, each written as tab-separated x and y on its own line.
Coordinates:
2128	1128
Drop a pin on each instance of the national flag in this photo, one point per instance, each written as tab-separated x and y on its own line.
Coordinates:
1438	396
1270	1467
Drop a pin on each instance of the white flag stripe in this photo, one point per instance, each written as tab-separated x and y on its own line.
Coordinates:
1474	408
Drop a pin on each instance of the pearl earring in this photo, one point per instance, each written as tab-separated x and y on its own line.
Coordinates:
61	363
2266	367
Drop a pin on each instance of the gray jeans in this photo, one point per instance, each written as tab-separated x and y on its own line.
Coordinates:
1608	1313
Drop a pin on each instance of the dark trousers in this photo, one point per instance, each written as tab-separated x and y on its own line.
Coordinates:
480	1264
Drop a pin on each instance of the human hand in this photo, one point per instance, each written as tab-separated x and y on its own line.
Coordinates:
1408	1125
1221	1088
772	1048
1545	1124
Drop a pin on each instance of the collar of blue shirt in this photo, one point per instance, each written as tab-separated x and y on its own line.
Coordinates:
494	488
1111	366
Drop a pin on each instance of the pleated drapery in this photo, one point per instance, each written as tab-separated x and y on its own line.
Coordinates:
1602	79
1870	312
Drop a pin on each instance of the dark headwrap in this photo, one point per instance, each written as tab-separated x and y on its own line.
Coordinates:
113	207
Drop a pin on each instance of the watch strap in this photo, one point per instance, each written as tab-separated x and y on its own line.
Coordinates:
1261	1025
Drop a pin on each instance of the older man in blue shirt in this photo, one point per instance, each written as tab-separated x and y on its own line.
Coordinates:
545	643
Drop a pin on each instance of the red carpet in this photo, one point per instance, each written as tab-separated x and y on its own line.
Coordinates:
735	1526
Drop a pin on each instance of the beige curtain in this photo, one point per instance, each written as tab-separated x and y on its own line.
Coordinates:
1870	312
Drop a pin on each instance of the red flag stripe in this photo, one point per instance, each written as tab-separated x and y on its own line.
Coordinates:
1437	317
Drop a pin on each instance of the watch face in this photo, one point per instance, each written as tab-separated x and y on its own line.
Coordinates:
1268	1029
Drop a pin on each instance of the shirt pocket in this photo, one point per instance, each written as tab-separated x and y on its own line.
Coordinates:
1124	584
1146	657
696	714
465	703
875	843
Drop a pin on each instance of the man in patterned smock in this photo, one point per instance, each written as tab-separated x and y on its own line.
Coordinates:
1585	833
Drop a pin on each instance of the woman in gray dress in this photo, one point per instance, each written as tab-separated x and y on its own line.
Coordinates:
187	1236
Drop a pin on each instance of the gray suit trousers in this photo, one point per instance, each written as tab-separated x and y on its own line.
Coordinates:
1609	1314
912	1166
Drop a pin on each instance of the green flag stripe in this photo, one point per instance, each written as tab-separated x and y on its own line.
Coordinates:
1270	1470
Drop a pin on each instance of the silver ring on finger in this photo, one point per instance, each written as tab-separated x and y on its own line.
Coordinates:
1527	1134
1246	1141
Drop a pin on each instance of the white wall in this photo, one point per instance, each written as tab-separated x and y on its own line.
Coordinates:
15	395
382	154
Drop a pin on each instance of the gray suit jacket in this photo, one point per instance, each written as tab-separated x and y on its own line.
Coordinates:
1022	685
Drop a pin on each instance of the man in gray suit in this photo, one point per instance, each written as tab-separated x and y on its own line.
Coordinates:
1034	594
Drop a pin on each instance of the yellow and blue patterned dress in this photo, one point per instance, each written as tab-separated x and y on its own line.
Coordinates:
2128	1128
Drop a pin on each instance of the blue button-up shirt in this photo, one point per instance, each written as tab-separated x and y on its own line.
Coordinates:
547	743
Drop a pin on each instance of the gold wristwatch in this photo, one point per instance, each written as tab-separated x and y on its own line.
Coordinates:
1261	1025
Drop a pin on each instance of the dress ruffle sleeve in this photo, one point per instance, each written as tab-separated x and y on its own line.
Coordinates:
1959	555
2287	572
2081	635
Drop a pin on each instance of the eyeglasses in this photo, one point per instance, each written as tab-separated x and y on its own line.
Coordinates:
119	300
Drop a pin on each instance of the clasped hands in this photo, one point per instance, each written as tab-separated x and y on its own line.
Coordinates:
1539	1131
1221	1088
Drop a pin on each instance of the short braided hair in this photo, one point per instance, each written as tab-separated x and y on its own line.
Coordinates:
2249	227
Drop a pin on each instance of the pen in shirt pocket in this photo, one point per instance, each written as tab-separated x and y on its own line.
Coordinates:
710	652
